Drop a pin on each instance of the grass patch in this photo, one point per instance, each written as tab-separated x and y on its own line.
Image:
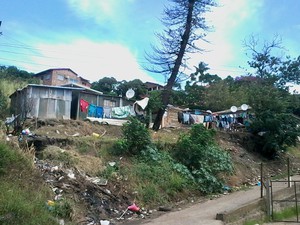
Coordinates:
286	213
152	182
22	193
23	205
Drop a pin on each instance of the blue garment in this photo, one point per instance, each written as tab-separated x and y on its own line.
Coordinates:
92	110
99	112
208	118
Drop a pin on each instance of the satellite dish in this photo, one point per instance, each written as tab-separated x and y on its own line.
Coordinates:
130	93
244	107
233	109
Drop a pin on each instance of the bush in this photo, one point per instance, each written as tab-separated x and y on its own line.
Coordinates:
274	133
135	139
205	160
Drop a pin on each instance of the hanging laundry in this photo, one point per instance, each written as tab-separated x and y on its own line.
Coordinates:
120	112
143	103
107	112
186	118
197	118
99	112
92	110
83	105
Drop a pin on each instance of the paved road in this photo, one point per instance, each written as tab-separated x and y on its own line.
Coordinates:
205	213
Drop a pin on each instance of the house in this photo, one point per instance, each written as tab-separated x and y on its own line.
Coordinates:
61	76
59	102
154	87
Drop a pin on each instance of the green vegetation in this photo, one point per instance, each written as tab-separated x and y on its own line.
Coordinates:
136	138
22	194
286	213
195	163
11	78
204	159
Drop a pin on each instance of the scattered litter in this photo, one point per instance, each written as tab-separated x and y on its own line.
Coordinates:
134	208
112	163
95	135
50	203
97	180
104	222
72	135
26	131
71	175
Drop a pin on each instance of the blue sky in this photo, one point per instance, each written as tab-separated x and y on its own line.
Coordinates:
98	38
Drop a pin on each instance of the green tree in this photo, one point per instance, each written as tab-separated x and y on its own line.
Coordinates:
185	24
202	77
16	75
137	85
274	126
107	85
270	67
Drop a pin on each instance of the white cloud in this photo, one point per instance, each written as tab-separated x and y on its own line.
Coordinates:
223	49
99	10
91	60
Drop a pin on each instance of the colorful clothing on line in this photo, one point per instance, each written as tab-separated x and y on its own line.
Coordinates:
99	112
92	110
83	105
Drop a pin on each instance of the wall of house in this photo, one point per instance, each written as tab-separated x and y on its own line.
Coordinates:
43	102
59	77
170	118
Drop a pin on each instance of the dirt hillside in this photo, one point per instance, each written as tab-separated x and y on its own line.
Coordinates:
69	160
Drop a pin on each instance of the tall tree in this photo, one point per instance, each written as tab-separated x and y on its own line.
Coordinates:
202	77
185	25
271	67
106	85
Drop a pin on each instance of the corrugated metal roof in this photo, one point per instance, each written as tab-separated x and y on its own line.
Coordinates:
83	87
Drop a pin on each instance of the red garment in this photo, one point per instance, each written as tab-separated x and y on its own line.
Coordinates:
84	105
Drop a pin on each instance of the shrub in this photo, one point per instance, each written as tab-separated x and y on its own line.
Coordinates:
135	139
206	161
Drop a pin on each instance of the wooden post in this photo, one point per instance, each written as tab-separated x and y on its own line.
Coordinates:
288	168
268	199
261	181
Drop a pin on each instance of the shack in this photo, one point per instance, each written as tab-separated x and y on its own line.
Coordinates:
59	102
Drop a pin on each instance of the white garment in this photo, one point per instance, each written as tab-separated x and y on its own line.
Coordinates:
143	103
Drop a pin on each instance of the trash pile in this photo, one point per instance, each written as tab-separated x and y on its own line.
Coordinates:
94	193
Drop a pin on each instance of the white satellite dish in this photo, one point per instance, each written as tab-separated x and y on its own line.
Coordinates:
244	107
130	93
233	108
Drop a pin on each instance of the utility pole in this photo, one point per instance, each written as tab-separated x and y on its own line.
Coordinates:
0	26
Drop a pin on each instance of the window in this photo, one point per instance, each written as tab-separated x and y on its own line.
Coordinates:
60	77
46	77
73	80
109	103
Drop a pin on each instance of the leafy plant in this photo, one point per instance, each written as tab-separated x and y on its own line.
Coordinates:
135	139
206	161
